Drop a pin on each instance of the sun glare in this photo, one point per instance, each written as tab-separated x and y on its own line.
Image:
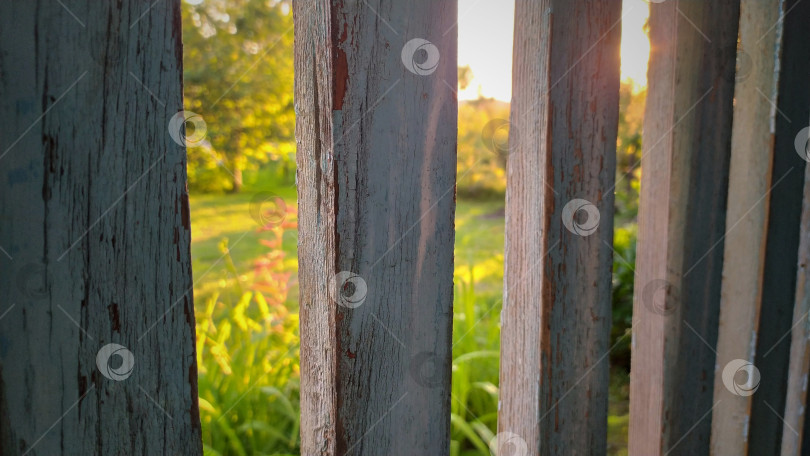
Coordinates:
635	42
485	45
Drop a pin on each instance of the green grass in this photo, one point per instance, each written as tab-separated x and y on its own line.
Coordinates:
219	218
225	217
251	408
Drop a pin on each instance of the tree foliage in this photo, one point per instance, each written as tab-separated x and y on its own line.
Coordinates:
483	147
483	133
238	76
628	175
628	152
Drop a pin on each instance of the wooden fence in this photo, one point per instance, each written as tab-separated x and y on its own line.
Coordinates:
721	334
719	349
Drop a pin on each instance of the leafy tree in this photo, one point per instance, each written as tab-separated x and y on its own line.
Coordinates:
628	151
483	131
238	76
465	76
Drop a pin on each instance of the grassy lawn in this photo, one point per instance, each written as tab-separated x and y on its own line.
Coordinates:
225	220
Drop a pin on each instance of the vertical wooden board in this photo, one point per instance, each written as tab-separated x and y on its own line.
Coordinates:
376	135
784	219
559	227
94	227
794	431
687	135
750	180
313	101
765	198
803	447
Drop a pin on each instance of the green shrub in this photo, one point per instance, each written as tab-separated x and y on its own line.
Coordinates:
248	360
248	343
249	377
624	260
476	345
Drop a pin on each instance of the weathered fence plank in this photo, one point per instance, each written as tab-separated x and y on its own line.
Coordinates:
376	136
795	424
559	227
750	179
764	211
687	135
784	219
94	231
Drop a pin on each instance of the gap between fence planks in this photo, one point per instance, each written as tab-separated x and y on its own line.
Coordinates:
559	227
376	130
687	135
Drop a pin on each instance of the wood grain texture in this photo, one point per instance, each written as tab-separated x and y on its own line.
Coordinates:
376	181
556	310
764	212
94	224
687	136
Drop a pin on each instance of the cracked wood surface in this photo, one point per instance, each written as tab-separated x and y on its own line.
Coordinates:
94	220
376	180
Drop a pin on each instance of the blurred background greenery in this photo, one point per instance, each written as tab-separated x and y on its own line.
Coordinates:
239	78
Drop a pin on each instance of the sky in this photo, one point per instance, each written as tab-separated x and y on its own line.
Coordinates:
489	54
